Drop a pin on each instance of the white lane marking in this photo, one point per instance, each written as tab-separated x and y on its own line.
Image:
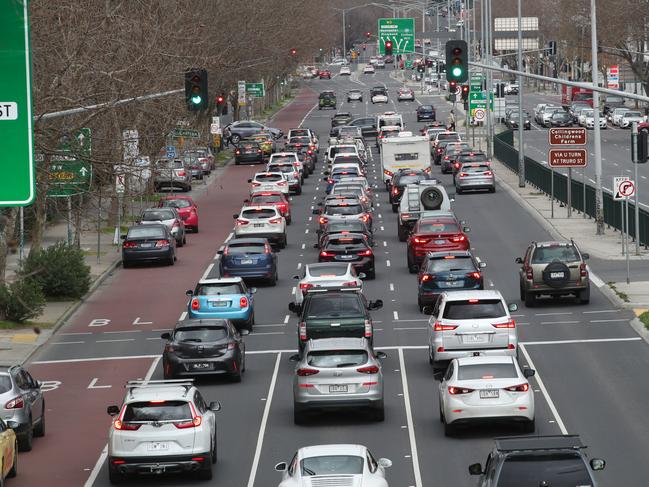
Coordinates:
286	318
307	114
378	205
416	319
608	321
266	333
391	287
77	333
544	391
94	359
411	328
299	265
382	228
293	290
264	420
154	338
208	270
104	453
183	315
116	340
387	263
553	314
66	343
585	340
409	422
596	280
306	231
303	246
124	331
380	216
310	218
601	311
559	322
269	325
229	237
385	244
395	314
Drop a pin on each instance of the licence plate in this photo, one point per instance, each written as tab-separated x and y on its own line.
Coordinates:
158	446
453	283
338	388
247	261
258	225
489	394
440	242
557	275
346	257
146	245
200	366
474	338
218	304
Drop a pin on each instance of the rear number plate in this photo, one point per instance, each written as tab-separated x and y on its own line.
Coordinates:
474	338
440	242
218	304
258	225
489	394
201	366
338	388
346	257
158	446
146	245
246	261
557	275
453	283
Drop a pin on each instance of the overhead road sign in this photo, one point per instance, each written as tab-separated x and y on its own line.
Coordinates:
567	136
17	187
401	32
568	158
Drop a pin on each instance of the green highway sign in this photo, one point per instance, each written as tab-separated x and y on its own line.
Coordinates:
476	82
400	31
409	63
256	90
69	173
190	134
16	157
478	100
78	144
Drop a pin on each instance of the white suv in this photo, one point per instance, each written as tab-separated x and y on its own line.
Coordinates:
262	221
466	323
163	426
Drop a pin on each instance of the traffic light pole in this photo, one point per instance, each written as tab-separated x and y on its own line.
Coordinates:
599	192
521	154
636	210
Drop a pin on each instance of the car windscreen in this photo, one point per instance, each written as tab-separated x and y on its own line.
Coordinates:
326	465
441	137
340	149
486	371
245	248
557	252
472	158
426	108
299	132
389	133
165	164
270	178
5	383
258	213
451	263
283	159
146	411
342	243
338	305
437	227
177	203
347	226
632	114
285	168
328	270
409	179
556	469
217	288
336	358
300	140
142	232
343	210
346	172
271	198
476	309
156	215
200	334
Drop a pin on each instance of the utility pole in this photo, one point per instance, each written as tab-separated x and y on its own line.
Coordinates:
344	39
488	76
521	154
599	193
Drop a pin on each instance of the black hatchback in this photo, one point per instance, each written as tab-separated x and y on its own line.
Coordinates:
204	347
426	112
248	151
147	243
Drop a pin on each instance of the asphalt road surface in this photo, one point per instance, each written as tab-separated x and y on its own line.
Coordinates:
591	367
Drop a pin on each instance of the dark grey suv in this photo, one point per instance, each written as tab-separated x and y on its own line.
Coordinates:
23	404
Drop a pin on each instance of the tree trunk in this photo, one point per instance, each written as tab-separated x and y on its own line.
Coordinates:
7	238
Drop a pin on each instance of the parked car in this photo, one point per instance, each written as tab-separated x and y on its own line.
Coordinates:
249	258
186	208
170	218
146	243
8	452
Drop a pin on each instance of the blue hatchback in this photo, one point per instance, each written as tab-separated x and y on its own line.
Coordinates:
249	258
227	298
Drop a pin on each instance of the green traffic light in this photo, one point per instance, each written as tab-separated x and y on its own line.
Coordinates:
456	71
196	99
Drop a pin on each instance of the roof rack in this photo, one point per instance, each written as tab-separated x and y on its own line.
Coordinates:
141	384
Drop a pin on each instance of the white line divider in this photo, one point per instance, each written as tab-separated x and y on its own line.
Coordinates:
264	420
545	392
409	422
104	453
208	270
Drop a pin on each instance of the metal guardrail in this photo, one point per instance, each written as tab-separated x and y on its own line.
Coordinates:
540	177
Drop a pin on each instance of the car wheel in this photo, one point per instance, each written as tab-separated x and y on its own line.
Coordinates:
530	299
395	208
492	190
273	280
371	274
299	415
214	449
413	268
25	440
180	243
458	190
283	242
172	260
521	292
401	232
420	305
39	430
529	426
449	429
125	264
14	468
289	220
251	321
583	297
236	375
379	412
196	229
114	477
206	472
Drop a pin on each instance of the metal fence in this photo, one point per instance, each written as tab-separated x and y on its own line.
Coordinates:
540	177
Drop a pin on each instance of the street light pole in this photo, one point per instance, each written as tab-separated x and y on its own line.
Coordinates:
521	153
599	193
344	39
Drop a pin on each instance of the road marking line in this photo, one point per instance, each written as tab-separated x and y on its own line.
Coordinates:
183	315
415	319
310	218
270	325
299	265
387	263
125	331
208	270
602	311
116	340
380	216
553	314
382	228
293	290
286	318
77	333
396	315
385	244
303	246
154	338
161	329
595	279
409	422
104	453
92	359
608	321
264	420
410	328
391	287
306	231
559	322
544	391
267	333
585	340
66	343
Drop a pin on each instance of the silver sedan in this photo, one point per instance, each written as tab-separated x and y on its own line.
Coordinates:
326	274
333	465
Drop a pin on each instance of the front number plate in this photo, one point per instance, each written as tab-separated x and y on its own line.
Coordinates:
338	388
158	446
489	394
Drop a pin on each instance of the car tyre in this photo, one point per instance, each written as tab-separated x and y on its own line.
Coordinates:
299	415
449	428
583	297
234	139
401	232
39	430
492	190
206	472
125	264
395	208
251	322
413	268
25	441
273	280
441	414
378	414
171	260
283	242
371	274
236	375
114	477
530	299
529	426
196	229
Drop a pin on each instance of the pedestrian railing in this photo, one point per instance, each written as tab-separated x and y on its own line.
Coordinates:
540	177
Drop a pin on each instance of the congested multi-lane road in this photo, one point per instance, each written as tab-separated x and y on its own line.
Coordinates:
590	364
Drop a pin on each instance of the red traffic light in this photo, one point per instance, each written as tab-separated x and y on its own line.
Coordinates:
220	99
368	34
465	89
388	44
457	51
452	84
293	52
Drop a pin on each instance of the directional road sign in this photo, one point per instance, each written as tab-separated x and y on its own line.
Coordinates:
567	136
17	187
190	134
171	152
568	158
256	90
70	172
400	31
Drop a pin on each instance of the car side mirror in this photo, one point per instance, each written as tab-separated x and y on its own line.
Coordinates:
527	373
326	173
483	265
280	467
215	406
235	216
189	292
519	260
512	307
585	256
294	358
123	237
380	355
362	275
385	462
428	310
597	464
466	229
246	200
112	410
325	179
378	304
253	290
475	469
166	336
296	277
220	252
294	308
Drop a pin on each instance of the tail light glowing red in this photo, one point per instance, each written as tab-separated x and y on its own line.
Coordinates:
370	369
457	238
366	253
453	390
420	240
440	327
509	324
243	302
427	277
196	304
182	174
462	174
305	285
162	243
193	423
364	218
395	190
474	275
519	388
302	331
583	270
129	245
325	253
529	273
322	220
237	152
488	173
275	221
304	372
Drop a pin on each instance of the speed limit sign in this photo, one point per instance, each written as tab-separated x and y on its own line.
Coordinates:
623	188
479	114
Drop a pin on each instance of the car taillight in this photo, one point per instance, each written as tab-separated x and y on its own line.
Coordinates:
439	150
370	369
330	181
15	403
420	240
459	390
259	151
529	273
242	222
387	173
324	253
282	183
428	170
583	270
243	302
395	190
463	174
237	152
193	423
309	152
365	253
350	284
268	249
509	324
181	174
232	345
175	224
129	245
456	166
323	220
457	238
474	275
255	184
427	277
196	304
295	174
303	372
519	388
305	285
446	158
162	243
440	327
118	424
488	173
368	329
275	221
405	215
169	348
364	218
302	331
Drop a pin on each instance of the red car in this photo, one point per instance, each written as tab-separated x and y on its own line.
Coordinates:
325	73
273	198
435	234
187	209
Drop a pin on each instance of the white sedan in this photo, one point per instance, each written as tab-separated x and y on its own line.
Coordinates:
326	274
333	465
379	98
485	388
369	69
345	70
629	117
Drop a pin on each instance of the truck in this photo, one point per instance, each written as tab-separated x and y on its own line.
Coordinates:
405	151
571	94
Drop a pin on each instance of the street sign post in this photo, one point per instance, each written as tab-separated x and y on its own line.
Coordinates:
567	136
16	157
256	90
401	31
70	172
623	190
568	158
241	93
189	134
613	77
170	152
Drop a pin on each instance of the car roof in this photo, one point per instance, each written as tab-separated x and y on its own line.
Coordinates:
219	280
246	241
190	322
475	294
485	359
284	153
258	207
554	243
159	392
455	253
151	225
326	450
317	265
337	343
335	235
550	442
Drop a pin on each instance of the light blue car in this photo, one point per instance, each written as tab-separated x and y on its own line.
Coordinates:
226	297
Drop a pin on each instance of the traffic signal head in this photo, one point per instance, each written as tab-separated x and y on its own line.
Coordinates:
196	89
452	86
421	68
293	51
465	92
368	34
388	48
457	62
220	105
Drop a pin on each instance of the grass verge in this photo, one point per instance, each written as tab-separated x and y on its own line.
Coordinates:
622	295
644	317
11	325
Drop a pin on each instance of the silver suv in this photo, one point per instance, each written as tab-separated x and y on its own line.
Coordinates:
23	405
163	426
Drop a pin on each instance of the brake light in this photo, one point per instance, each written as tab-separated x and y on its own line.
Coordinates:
463	174
306	372
405	215
519	388
119	425
440	327
243	302
583	271
458	238
350	284
295	174
388	173
474	275
15	403
370	369
509	324
181	174
309	152
427	277
282	206
364	218
305	285
255	184
474	301
302	331
428	170
129	245
195	304
459	390
488	173
456	165
366	253
395	190
267	249
237	152
275	221
529	273
324	253
420	240
446	158
162	243
323	220
368	329
193	423
242	222
282	183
